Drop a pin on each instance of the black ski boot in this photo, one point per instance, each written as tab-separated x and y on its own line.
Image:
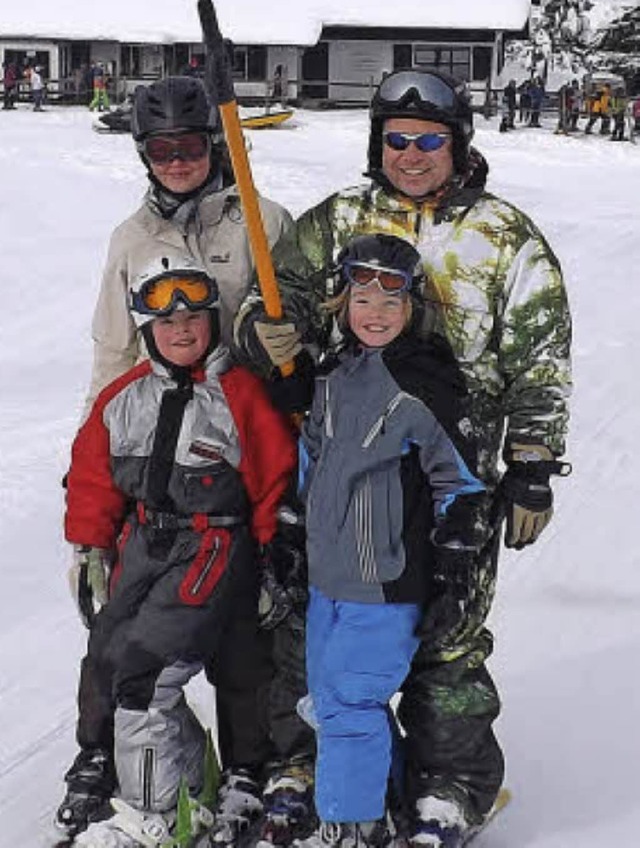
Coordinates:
91	782
289	812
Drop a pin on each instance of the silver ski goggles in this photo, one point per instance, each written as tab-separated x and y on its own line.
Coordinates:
362	274
162	295
400	89
425	142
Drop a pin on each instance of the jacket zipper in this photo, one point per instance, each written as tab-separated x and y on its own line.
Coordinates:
379	424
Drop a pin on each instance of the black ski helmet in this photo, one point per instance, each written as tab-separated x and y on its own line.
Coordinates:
173	104
383	250
429	96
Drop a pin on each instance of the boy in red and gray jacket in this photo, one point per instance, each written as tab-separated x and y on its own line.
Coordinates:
176	476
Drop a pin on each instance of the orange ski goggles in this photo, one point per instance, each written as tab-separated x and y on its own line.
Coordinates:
161	295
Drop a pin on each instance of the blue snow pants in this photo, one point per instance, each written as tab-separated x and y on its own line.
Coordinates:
357	657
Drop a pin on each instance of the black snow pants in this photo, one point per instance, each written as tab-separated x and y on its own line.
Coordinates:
449	703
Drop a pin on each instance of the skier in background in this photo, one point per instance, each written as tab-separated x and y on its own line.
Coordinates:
37	88
192	204
100	99
10	84
179	468
494	288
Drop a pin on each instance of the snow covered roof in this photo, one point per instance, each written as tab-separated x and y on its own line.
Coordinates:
247	21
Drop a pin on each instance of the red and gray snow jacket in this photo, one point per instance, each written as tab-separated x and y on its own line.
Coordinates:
233	457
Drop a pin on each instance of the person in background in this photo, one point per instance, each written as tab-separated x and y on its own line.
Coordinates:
509	99
100	99
10	83
536	97
494	289
619	104
576	105
37	88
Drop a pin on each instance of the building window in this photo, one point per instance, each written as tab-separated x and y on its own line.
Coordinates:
452	60
250	63
401	56
482	63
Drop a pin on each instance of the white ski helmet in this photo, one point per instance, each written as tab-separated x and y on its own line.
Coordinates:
170	283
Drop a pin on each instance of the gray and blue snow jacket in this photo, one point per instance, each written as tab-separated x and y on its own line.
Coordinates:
385	454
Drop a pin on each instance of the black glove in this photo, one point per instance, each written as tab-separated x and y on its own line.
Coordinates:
526	494
283	563
293	393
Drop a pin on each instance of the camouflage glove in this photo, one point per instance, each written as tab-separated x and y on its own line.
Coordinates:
279	339
89	580
283	562
265	342
526	494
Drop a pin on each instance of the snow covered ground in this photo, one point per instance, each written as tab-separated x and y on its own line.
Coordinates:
567	616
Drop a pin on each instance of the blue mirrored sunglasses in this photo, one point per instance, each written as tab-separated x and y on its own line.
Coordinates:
425	142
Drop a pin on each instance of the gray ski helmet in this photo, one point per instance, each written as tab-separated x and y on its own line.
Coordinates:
173	104
426	95
383	250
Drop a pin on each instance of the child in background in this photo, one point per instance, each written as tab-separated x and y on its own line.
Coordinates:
180	468
387	471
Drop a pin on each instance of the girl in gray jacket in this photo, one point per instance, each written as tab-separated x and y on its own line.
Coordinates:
391	499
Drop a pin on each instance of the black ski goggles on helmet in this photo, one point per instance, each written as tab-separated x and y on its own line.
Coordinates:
186	146
161	295
404	87
362	274
425	142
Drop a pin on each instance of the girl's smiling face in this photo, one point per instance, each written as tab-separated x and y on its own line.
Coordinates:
375	316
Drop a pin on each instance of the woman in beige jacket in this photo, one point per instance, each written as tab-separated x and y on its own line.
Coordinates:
191	208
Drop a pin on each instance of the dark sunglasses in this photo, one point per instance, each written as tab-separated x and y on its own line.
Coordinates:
188	147
390	280
425	142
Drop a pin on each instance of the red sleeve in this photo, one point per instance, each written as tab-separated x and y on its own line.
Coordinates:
268	454
95	506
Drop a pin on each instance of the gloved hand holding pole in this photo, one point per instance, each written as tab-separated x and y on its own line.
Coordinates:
219	85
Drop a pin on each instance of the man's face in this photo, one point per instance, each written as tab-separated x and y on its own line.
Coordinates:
411	171
181	174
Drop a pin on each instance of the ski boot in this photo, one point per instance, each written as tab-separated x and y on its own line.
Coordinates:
439	823
374	834
188	825
90	781
288	806
238	807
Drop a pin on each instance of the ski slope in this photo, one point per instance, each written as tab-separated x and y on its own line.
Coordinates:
567	615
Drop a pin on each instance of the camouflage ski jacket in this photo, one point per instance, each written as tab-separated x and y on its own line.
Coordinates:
494	288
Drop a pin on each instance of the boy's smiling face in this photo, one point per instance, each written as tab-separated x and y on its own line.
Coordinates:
183	337
375	316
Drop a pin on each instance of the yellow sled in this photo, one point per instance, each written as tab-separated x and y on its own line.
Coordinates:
265	119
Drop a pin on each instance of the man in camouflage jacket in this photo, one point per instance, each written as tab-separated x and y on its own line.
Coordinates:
495	289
